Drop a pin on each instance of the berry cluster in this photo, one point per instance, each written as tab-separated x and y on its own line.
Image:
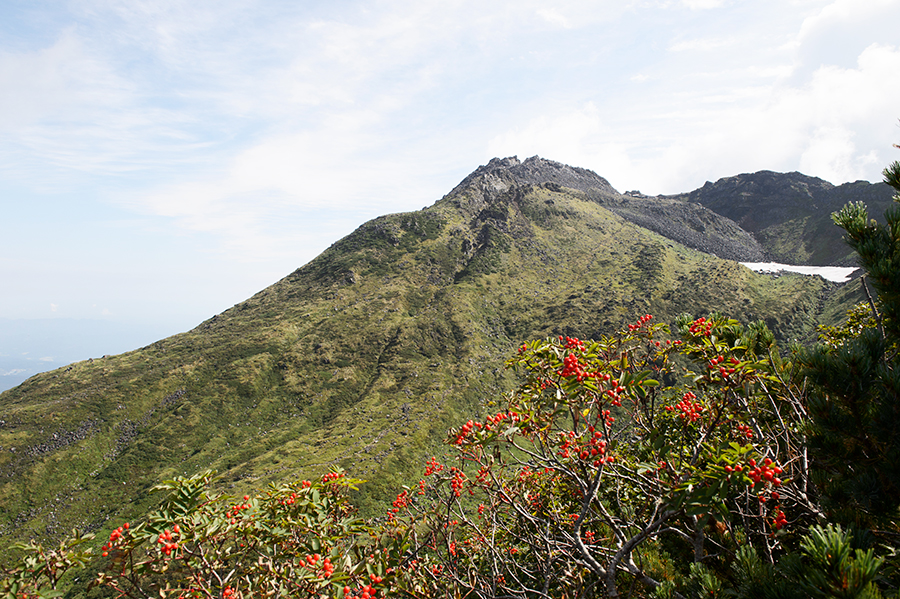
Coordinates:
400	502
691	410
640	322
572	342
765	472
484	475
607	417
331	476
366	592
524	474
744	431
593	450
572	367
716	363
512	416
464	432
312	562
490	422
614	394
432	466
701	327
459	478
234	511
780	520
165	539
114	536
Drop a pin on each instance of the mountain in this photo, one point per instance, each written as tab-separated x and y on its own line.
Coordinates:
789	214
364	356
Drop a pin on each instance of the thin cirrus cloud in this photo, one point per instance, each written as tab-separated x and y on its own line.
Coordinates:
68	115
352	90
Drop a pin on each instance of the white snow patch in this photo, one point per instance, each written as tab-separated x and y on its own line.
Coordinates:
838	274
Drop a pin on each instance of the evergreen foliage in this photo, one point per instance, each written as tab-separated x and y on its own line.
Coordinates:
855	403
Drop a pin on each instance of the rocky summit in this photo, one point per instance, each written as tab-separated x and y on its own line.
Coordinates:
364	356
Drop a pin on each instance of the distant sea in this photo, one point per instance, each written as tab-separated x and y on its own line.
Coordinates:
30	346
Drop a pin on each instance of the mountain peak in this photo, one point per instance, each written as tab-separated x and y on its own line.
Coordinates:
502	173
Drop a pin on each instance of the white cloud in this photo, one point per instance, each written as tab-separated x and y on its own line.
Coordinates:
67	111
703	4
554	18
579	137
847	104
836	34
839	13
295	178
826	126
701	44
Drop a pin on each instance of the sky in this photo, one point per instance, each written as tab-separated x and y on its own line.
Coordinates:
163	160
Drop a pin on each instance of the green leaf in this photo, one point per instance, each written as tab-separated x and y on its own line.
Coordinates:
646	467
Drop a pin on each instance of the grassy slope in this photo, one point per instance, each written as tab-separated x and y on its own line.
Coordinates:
361	358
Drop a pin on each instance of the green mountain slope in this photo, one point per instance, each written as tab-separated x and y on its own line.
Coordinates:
364	356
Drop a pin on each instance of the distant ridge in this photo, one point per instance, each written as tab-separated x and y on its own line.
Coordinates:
789	214
759	200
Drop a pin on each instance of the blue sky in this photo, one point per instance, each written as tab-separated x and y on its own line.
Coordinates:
163	160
